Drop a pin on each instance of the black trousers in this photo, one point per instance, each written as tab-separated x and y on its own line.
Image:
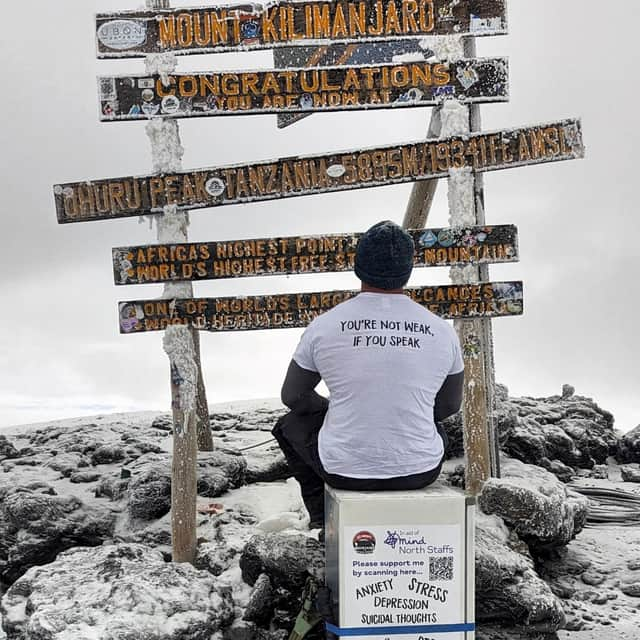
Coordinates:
297	436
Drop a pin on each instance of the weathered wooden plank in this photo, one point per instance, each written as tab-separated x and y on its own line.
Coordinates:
339	88
303	254
342	53
219	28
307	175
291	310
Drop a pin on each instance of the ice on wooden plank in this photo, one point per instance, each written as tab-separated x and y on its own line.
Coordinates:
447	48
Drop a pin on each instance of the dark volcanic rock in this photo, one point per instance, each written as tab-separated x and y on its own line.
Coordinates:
7	450
266	464
219	471
563	472
630	474
149	490
107	454
112	486
118	591
493	632
288	559
569	428
163	423
629	449
35	527
540	509
508	590
260	605
567	431
84	476
67	463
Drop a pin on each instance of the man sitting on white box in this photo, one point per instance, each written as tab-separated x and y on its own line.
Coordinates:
394	371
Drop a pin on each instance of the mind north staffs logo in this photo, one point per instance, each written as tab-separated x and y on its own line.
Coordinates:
364	542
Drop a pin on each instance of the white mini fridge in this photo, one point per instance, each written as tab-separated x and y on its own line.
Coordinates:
400	564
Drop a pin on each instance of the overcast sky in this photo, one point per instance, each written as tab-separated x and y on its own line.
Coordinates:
61	354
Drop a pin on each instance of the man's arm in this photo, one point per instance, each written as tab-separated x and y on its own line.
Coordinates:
449	398
298	390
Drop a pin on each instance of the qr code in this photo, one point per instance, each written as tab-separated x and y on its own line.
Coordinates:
108	89
441	568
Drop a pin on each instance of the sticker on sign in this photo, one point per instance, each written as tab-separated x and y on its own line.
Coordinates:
121	35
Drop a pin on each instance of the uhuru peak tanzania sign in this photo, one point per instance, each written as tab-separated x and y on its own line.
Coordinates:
291	310
410	84
232	28
306	175
303	254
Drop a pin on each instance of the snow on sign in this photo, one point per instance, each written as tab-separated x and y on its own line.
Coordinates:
411	84
291	22
303	254
290	310
307	175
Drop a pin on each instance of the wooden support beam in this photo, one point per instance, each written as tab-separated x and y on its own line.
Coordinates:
423	193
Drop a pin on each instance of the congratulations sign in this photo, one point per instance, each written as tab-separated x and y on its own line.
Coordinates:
298	90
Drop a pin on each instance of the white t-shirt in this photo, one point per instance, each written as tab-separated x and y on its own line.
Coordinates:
383	358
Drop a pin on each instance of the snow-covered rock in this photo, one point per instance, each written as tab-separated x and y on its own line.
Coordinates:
118	591
629	448
508	590
7	449
288	559
36	525
494	632
539	508
147	481
569	428
561	433
630	474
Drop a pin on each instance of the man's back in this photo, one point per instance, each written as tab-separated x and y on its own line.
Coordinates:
383	358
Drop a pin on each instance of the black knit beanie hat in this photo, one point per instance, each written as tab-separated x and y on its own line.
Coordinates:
384	256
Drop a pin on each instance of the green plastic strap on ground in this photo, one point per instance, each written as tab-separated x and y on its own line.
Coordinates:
308	616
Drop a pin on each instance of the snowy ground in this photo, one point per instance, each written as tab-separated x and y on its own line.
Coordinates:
598	611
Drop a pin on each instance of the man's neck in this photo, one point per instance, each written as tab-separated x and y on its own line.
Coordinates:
367	288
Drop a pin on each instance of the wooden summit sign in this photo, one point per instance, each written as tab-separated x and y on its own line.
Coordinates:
329	172
291	310
220	28
303	254
410	84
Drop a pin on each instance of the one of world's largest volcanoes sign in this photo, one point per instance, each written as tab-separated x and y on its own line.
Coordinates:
235	28
307	175
294	310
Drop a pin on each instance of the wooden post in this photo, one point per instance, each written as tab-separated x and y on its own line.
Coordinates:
184	464
466	206
488	360
205	440
187	420
475	335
